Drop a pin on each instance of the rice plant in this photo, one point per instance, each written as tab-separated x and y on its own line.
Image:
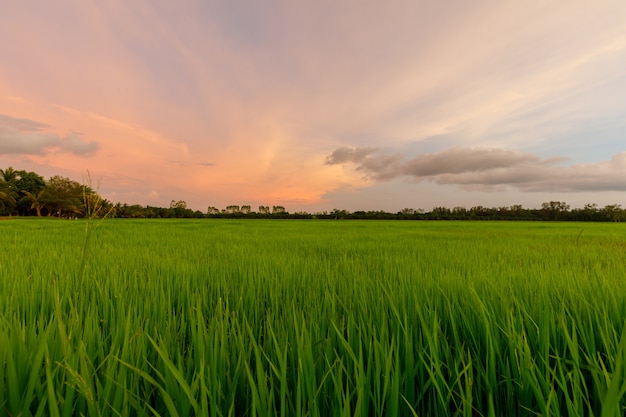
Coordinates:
312	318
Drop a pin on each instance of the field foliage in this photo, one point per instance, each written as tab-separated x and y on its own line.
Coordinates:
312	318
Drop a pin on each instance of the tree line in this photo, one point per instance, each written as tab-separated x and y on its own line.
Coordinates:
25	193
549	211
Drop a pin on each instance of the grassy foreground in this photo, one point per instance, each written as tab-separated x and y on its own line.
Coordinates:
312	318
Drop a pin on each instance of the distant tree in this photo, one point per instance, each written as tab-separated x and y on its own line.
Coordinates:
613	212
28	185
154	212
264	210
29	181
589	212
246	209
8	189
213	211
135	211
302	215
477	212
339	214
459	212
558	206
63	197
232	209
3	190
278	210
517	211
440	213
9	175
180	204
34	201
7	197
180	209
554	209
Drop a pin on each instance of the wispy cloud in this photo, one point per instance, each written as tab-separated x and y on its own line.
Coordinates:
189	163
29	137
488	169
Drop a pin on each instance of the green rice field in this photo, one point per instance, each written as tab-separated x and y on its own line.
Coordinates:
312	318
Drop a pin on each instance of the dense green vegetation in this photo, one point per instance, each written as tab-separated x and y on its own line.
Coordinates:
295	318
26	193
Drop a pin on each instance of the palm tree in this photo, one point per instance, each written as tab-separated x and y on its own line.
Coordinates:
34	199
7	196
9	175
7	188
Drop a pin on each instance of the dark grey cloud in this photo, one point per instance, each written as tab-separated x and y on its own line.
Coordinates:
29	137
370	160
346	154
488	169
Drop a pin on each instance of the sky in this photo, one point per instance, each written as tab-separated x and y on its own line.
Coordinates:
317	105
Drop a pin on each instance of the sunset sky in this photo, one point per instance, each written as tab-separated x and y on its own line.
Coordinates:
316	105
